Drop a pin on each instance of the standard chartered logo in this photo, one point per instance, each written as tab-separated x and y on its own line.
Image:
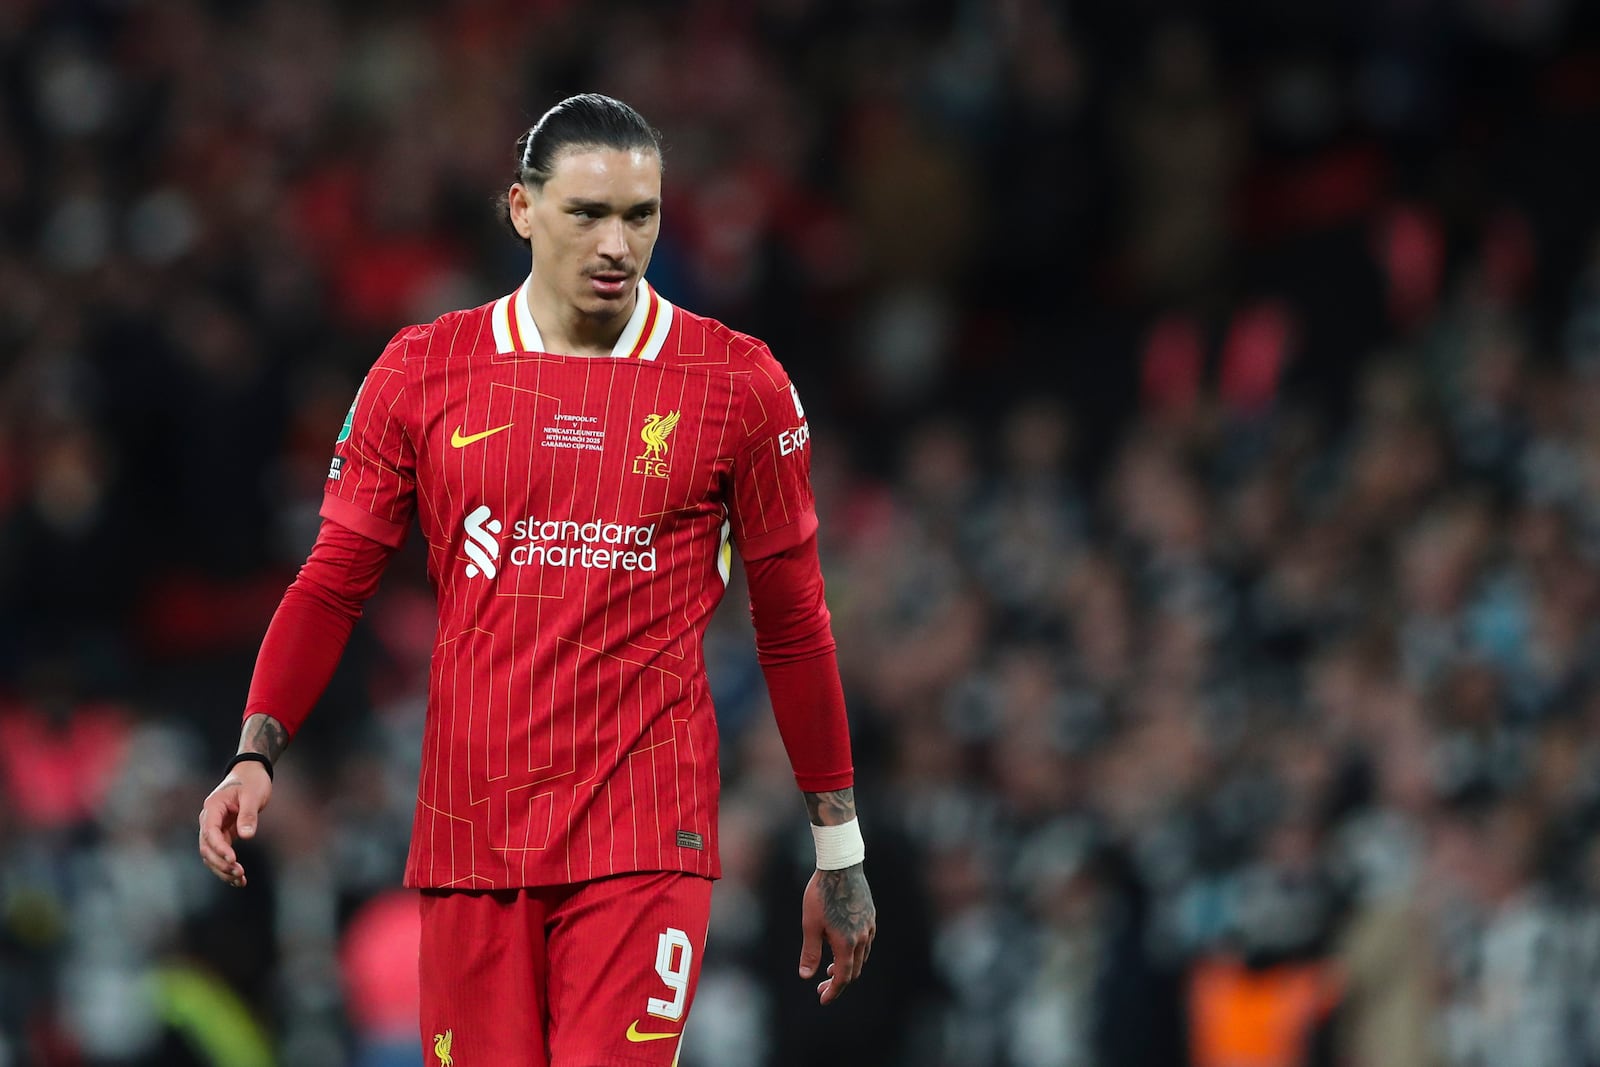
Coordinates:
481	547
595	544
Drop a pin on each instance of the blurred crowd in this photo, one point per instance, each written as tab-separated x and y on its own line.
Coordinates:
1206	410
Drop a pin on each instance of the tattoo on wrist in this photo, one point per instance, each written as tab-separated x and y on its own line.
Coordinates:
264	734
833	808
847	900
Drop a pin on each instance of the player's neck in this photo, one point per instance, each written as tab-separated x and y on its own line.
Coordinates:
568	331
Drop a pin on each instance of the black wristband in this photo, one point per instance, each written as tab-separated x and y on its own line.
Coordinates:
254	757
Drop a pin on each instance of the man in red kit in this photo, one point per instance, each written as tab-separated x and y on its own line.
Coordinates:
581	456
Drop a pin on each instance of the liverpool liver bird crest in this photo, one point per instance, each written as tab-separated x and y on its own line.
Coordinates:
654	434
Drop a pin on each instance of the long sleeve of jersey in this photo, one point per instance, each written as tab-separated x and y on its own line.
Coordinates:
795	646
309	630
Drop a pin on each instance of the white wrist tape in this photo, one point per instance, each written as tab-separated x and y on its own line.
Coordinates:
839	847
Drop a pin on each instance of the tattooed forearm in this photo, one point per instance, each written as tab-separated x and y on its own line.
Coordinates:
833	808
264	734
847	918
847	901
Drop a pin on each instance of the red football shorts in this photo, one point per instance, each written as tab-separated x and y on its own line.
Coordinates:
598	974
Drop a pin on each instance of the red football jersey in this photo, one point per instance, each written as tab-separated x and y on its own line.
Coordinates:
578	513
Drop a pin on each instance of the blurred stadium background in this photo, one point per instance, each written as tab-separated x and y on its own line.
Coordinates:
1207	433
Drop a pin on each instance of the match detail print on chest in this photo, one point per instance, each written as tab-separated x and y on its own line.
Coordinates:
559	434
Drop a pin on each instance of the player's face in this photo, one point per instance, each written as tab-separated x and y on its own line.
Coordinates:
593	226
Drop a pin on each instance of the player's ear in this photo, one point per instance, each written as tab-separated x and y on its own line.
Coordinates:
519	203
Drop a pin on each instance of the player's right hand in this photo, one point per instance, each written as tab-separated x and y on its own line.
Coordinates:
229	813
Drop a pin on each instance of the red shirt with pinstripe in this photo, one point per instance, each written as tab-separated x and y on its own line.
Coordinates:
578	514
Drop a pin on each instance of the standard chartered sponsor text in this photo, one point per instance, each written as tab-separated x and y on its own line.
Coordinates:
597	544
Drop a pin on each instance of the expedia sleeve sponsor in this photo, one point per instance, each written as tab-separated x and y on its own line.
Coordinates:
792	441
771	507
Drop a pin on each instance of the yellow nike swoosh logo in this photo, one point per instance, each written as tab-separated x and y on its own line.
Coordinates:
457	441
635	1035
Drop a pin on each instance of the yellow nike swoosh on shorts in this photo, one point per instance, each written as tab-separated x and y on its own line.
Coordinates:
635	1035
457	441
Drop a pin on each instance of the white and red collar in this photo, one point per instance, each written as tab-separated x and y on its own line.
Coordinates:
642	338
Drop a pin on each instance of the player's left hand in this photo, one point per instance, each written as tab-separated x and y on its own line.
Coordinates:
837	905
